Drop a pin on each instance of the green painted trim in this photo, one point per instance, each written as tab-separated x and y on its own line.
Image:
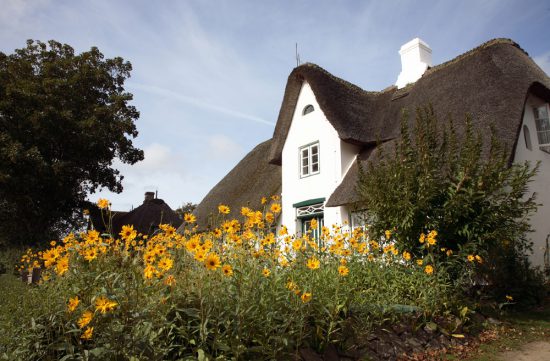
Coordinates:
309	202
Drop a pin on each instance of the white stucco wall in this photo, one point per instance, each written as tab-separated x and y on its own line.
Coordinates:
335	157
540	184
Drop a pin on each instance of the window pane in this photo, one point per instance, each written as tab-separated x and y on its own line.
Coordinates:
305	152
544	137
314	168
305	162
314	150
541	112
305	170
315	159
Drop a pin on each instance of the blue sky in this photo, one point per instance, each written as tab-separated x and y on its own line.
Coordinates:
208	76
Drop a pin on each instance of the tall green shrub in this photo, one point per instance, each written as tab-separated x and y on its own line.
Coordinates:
461	185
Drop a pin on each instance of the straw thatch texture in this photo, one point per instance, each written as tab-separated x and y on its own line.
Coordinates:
244	185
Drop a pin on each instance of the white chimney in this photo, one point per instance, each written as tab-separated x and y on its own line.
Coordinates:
416	57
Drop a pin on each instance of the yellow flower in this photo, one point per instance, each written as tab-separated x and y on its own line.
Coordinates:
388	234
165	263
87	334
343	270
104	305
212	262
85	319
509	298
227	270
479	259
283	231
223	209
449	252
296	244
306	297
406	256
419	262
313	263
313	224
269	217
264	200
170	281
90	254
103	203
431	241
429	269
189	218
200	255
266	272
471	257
275	197
149	272
73	303
422	238
275	208
62	265
128	233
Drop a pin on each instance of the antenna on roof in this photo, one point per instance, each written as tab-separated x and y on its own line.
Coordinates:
156	194
297	56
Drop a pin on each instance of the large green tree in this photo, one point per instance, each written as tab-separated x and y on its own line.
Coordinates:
64	118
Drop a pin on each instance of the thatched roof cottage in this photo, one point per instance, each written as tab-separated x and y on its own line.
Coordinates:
326	125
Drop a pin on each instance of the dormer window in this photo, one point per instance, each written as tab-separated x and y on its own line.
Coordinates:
308	109
309	160
542	121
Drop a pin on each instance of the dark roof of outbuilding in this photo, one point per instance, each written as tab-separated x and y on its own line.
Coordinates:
252	178
489	82
147	217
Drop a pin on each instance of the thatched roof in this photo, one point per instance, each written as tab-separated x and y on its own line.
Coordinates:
490	83
147	217
244	185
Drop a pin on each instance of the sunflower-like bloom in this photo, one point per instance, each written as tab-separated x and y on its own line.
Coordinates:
73	303
85	319
343	270
128	233
87	334
165	263
189	218
429	269
306	297
103	203
212	261
313	263
227	270
223	209
62	265
104	305
275	208
266	272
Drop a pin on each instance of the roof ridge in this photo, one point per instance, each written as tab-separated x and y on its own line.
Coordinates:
471	52
335	78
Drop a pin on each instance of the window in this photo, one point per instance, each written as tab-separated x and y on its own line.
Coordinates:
309	160
308	109
542	122
527	137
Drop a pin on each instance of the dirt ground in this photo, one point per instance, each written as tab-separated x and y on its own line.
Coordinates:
534	351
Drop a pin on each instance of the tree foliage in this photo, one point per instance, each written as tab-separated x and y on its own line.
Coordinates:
465	189
64	117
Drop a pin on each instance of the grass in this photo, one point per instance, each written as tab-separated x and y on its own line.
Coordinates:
517	330
15	304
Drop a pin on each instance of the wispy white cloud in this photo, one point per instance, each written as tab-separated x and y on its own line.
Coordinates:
199	102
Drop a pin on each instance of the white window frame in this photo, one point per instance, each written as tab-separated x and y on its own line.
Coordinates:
307	170
543	127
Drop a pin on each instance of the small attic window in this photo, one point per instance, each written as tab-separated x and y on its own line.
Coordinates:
308	109
527	137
